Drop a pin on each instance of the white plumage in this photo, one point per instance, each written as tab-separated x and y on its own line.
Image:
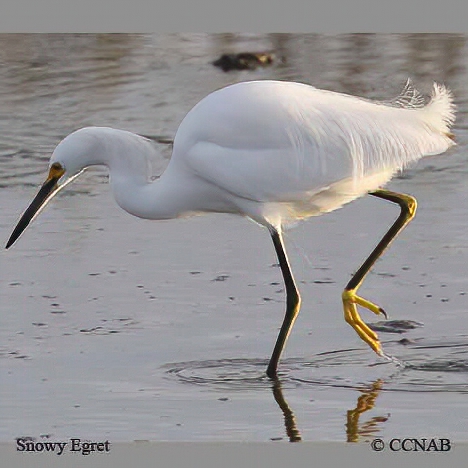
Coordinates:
303	149
275	152
270	150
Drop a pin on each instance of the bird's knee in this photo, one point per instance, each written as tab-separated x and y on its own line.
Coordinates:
294	300
409	206
297	299
348	295
412	205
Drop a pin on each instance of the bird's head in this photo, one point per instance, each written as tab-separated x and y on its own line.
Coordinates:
86	147
65	165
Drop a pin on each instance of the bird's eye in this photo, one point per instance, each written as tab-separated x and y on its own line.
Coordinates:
56	166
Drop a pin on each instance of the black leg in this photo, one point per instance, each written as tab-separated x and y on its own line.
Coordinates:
293	302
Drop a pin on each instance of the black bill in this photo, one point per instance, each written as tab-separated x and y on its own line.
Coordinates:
47	190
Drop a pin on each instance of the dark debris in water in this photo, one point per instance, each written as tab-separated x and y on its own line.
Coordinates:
13	354
405	342
90	330
98	331
395	326
386	275
243	61
221	278
115	325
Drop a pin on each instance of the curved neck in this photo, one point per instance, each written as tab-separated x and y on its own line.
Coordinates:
148	200
127	156
177	192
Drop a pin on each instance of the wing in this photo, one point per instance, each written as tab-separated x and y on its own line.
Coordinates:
279	142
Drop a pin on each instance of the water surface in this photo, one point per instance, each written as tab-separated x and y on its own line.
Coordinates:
122	329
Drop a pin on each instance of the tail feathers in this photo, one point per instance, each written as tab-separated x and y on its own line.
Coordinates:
409	98
439	112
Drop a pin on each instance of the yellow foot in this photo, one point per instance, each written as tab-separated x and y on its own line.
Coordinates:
351	315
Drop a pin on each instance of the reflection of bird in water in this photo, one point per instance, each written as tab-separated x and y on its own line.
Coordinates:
289	419
275	152
365	403
354	430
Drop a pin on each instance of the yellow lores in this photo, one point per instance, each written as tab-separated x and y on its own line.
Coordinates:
55	172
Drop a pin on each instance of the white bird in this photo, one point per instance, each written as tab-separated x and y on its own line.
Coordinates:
275	152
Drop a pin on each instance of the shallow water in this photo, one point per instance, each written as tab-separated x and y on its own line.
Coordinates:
122	329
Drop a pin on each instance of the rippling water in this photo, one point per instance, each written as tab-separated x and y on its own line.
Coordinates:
439	366
117	328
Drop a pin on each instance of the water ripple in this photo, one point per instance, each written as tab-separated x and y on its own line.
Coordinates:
427	366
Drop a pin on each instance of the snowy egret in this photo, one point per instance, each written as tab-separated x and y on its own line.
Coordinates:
275	152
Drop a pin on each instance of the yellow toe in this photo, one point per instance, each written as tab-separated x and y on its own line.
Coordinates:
351	315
